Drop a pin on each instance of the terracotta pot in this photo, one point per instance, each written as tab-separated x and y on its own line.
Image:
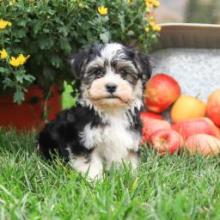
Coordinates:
30	114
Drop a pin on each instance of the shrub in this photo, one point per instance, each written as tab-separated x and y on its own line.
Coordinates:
40	35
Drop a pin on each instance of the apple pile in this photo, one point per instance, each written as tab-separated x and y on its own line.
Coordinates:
194	125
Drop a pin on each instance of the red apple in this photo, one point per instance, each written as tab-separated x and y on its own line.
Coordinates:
196	126
213	107
166	140
203	144
150	125
145	115
161	91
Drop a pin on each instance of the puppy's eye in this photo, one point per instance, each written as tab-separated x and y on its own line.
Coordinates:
123	73
128	75
98	72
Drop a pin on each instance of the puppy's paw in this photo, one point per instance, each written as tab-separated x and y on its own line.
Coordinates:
94	176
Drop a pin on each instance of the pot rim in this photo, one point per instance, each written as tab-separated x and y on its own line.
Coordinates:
188	35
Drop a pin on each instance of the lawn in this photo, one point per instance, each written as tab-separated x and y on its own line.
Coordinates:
169	187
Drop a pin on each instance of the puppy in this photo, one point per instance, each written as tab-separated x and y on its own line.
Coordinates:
104	128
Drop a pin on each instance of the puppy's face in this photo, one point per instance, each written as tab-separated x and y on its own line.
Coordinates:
111	76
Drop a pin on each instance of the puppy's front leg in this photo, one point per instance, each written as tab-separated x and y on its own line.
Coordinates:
91	166
133	159
95	170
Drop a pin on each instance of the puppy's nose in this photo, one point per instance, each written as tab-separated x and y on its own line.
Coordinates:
111	87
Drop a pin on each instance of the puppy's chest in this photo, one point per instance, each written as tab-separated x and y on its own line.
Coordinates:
112	141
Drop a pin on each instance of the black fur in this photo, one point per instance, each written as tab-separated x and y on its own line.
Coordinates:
80	60
139	59
64	131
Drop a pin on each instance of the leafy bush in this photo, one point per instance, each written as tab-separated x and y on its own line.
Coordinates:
40	35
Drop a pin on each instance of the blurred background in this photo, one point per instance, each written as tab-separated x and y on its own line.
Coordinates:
192	11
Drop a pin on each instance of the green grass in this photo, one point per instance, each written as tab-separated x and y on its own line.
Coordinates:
169	187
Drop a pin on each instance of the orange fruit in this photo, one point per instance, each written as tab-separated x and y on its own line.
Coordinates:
187	107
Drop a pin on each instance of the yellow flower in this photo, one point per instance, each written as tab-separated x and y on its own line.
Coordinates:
148	5
152	3
151	19
12	2
4	24
148	9
19	60
22	59
130	1
14	62
152	24
147	29
81	5
156	4
156	27
3	54
103	10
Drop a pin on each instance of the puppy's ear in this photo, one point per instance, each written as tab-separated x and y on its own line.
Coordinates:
78	63
143	62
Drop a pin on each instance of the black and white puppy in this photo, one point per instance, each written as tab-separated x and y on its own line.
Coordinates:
104	128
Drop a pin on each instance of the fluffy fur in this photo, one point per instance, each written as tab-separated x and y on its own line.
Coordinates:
104	128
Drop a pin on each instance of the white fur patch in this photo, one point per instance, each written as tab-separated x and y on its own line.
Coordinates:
138	93
88	137
79	163
110	50
113	141
93	168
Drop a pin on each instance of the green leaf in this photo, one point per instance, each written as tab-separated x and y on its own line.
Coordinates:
56	61
29	78
8	83
121	17
45	42
18	96
3	70
64	31
21	22
37	27
65	45
20	33
105	37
